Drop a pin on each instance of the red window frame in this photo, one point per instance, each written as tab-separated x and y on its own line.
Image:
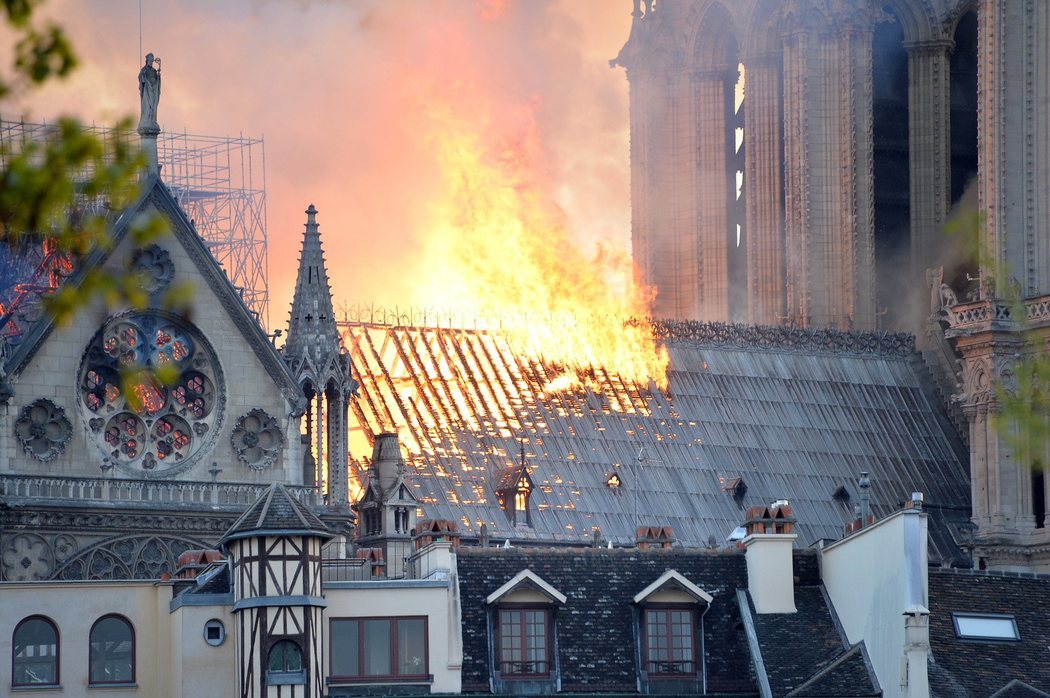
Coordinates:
393	650
94	649
524	634
669	634
57	656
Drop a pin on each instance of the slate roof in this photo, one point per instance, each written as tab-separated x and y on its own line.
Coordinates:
218	583
795	414
596	646
849	675
275	512
972	669
806	653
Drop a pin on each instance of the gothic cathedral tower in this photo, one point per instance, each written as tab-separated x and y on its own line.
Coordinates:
314	353
804	162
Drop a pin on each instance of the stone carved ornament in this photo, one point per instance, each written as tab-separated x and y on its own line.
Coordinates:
257	439
154	268
43	429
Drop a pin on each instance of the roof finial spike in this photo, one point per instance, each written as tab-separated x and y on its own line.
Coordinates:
522	452
311	218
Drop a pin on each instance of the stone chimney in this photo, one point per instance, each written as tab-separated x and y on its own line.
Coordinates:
387	460
768	546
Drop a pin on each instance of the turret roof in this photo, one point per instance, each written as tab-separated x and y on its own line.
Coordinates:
277	512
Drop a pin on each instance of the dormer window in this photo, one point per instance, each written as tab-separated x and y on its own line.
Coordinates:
521	496
514	490
670	632
670	641
523	613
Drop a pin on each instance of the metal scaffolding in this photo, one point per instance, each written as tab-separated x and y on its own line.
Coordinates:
220	181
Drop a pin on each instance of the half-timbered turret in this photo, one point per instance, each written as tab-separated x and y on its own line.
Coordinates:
276	552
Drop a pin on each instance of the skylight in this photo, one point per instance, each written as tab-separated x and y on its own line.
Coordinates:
985	626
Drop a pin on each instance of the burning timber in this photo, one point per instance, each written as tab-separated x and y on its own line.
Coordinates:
751	415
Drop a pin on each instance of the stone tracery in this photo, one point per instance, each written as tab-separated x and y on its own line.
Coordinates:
257	439
43	429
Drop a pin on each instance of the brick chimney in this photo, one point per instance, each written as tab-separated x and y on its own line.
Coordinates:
435	530
768	545
375	559
192	562
655	537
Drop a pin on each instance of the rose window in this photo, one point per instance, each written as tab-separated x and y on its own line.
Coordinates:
151	382
43	430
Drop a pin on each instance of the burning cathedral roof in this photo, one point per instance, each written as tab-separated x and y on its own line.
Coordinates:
751	415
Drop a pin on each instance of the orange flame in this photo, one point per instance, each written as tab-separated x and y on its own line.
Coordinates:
497	244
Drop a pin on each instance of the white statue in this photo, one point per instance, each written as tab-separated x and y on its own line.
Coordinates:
149	92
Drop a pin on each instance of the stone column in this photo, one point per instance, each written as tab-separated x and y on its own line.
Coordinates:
652	178
710	221
929	146
829	221
319	433
338	477
763	158
858	195
1013	140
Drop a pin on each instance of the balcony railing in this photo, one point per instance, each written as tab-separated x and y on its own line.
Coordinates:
680	667
185	492
537	667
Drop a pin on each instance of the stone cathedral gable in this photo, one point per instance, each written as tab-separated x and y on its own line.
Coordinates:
105	476
68	378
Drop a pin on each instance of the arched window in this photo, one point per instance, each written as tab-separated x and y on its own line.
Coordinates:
285	664
34	653
111	651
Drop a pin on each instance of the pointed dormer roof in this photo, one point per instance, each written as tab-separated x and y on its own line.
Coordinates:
277	513
312	333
